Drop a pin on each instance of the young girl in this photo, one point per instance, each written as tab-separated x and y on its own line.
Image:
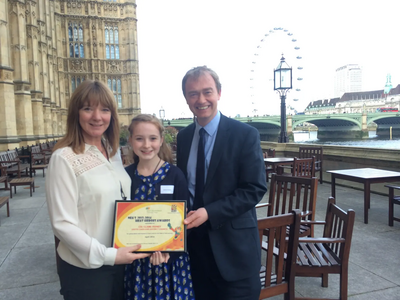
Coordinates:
160	276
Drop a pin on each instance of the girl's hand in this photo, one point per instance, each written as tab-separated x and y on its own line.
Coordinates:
158	258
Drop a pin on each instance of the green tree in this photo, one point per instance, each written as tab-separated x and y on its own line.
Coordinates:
123	135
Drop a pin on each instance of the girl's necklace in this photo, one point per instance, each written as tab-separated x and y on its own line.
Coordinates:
156	167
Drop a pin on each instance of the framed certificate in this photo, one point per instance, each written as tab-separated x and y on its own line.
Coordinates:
156	225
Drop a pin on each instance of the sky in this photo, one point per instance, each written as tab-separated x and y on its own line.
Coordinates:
229	36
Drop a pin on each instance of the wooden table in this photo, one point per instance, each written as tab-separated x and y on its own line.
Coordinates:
22	181
278	161
39	167
366	176
5	201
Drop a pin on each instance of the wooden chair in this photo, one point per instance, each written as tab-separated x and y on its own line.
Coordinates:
308	152
276	270
303	167
44	148
392	201
268	168
287	193
318	257
4	178
14	165
38	156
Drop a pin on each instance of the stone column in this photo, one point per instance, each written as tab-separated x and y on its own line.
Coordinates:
48	120
33	69
364	126
23	107
133	99
8	133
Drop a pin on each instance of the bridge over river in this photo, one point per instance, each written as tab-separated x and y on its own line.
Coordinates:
330	126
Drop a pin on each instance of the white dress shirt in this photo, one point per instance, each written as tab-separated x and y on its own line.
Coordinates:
81	190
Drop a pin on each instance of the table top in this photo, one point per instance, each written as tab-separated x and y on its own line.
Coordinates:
366	173
278	159
39	166
22	180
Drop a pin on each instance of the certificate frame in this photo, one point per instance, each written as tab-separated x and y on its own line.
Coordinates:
156	225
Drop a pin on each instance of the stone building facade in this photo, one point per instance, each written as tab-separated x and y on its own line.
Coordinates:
357	102
47	47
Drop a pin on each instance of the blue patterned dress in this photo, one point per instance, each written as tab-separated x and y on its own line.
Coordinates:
168	281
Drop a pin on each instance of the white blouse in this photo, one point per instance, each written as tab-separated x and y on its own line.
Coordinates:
81	190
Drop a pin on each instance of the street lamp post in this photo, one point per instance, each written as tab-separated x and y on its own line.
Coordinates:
162	115
282	84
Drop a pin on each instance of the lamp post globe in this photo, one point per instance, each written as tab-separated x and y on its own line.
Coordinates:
282	84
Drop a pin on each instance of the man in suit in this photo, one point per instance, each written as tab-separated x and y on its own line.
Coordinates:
223	244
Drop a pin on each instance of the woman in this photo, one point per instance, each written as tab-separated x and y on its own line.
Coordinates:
152	172
85	177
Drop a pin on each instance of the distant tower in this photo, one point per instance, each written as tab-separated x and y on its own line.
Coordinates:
388	85
348	79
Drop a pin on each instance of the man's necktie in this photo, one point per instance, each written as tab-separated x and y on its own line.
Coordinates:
200	172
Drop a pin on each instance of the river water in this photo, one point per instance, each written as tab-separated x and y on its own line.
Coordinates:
305	137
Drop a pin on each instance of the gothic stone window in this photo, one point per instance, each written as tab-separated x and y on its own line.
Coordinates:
115	86
75	35
75	81
112	42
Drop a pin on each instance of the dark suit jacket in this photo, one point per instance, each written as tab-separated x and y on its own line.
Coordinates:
235	183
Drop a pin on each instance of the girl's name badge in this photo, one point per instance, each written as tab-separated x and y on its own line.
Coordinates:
167	189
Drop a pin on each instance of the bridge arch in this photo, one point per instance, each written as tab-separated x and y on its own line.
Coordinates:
349	120
387	123
330	126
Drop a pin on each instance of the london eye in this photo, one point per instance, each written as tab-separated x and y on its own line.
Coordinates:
275	43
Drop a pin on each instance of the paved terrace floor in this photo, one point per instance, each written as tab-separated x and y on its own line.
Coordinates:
27	257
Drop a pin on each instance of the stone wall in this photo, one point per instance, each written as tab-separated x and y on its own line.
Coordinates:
37	68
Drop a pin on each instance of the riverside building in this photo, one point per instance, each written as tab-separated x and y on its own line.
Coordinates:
48	47
357	102
348	79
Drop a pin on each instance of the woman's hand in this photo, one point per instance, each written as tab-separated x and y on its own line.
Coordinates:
158	258
125	255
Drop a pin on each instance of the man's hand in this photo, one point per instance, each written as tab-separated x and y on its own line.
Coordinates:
125	255
157	258
196	217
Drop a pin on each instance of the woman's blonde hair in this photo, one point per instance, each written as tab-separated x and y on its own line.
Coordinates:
93	92
165	151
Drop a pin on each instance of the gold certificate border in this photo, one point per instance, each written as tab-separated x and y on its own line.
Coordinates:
129	216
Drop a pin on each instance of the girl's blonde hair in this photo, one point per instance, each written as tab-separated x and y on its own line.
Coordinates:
165	151
93	92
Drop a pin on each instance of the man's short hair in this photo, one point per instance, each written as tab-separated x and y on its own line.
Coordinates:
196	73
